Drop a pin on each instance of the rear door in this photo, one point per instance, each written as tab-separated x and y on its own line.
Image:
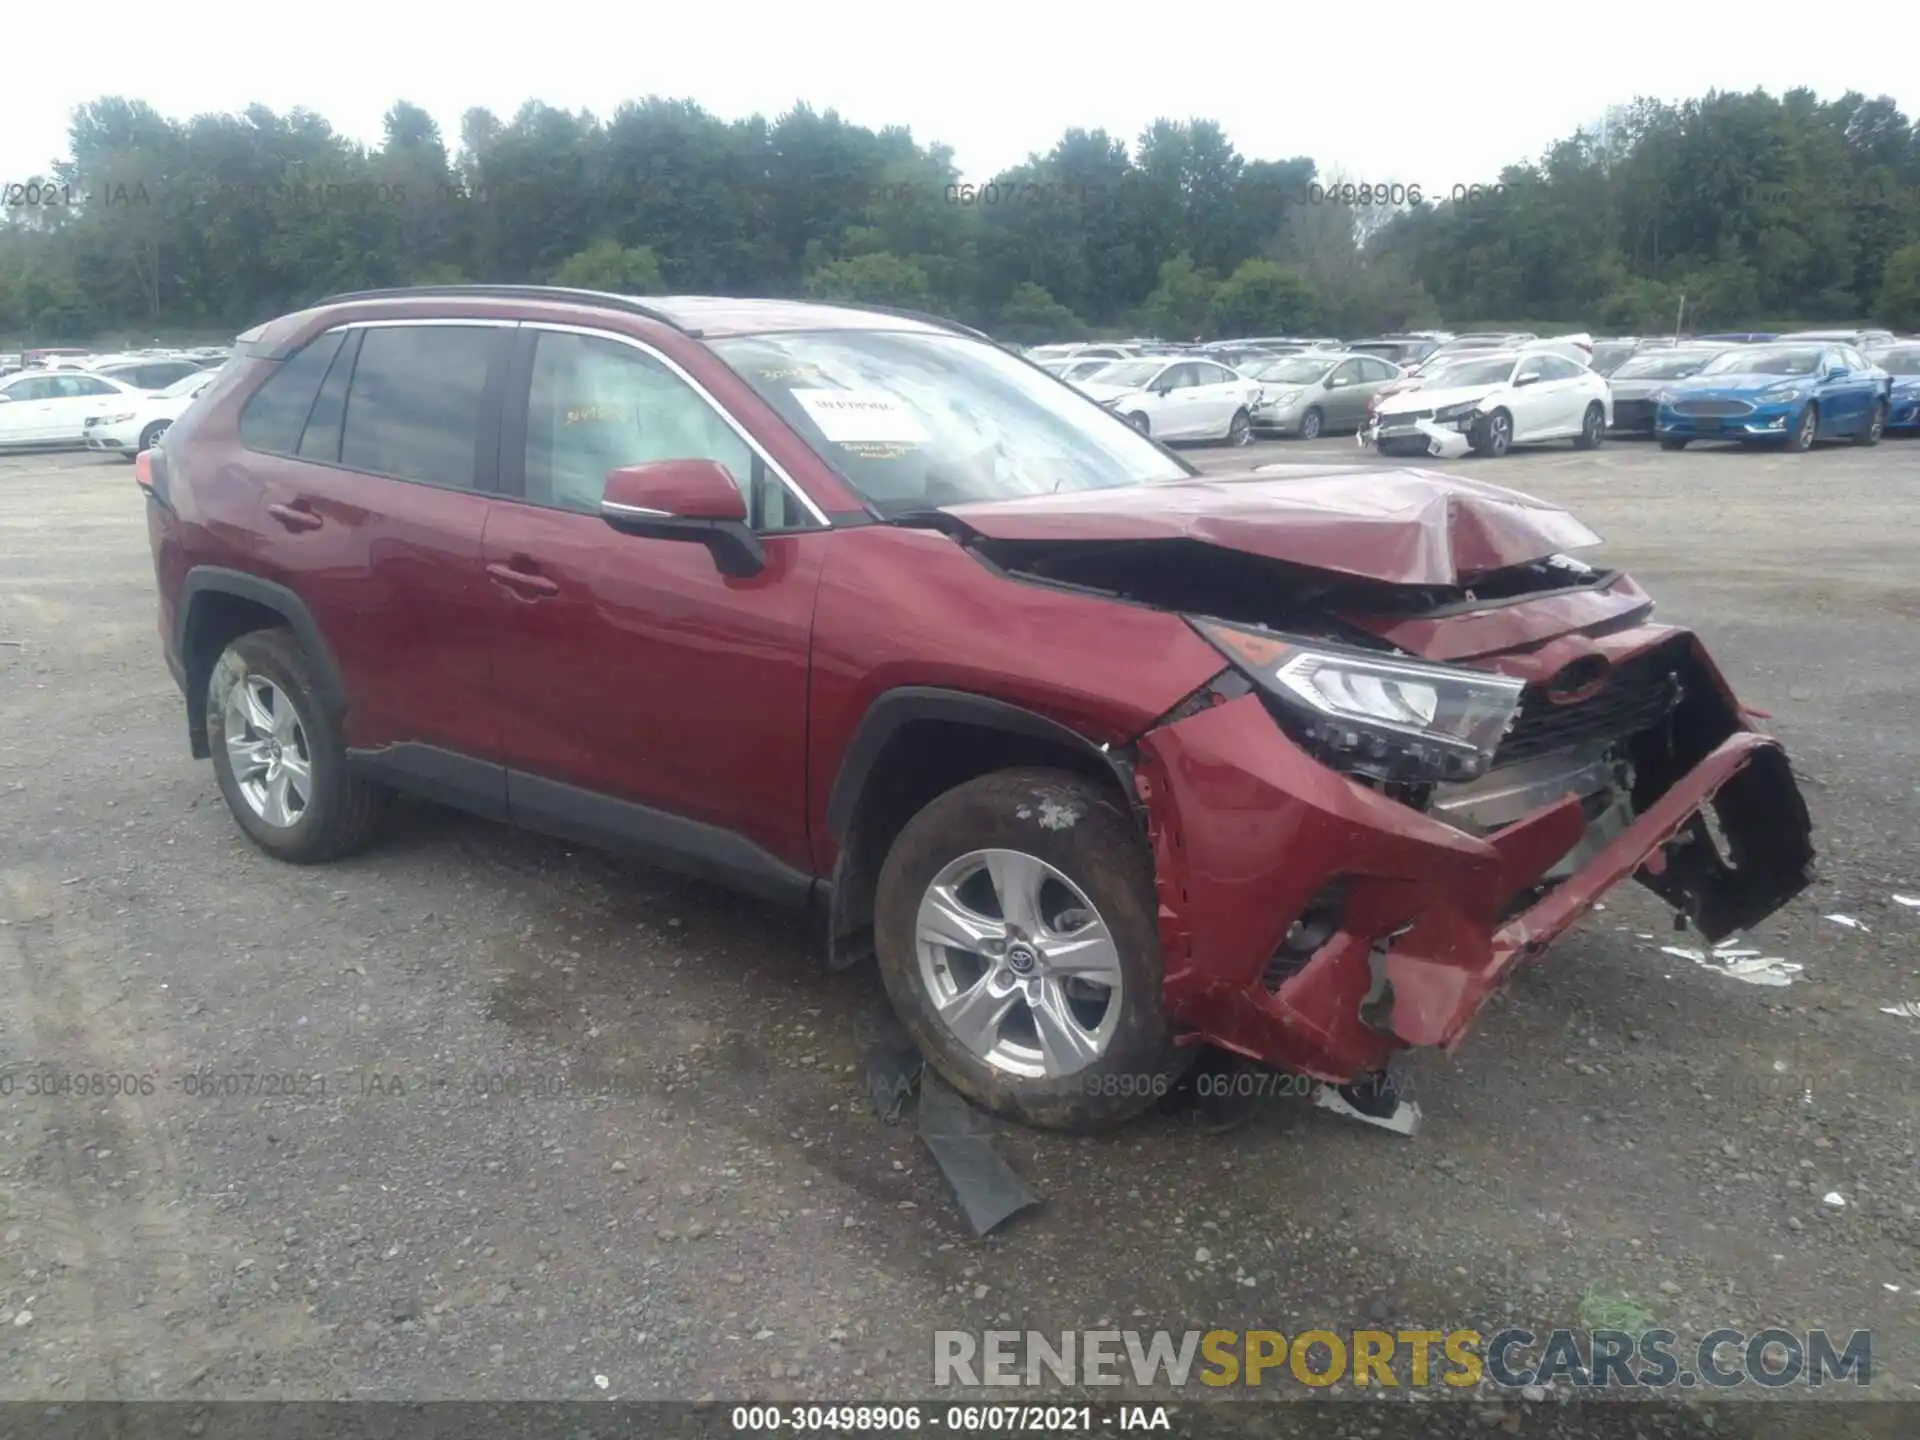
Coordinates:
1346	397
376	449
1220	393
640	688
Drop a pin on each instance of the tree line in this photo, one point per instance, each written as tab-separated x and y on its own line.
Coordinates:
1749	209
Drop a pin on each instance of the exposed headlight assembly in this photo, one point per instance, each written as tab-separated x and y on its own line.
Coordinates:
1373	714
1450	413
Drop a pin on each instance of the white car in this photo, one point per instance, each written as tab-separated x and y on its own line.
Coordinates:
51	407
1175	399
1488	403
127	429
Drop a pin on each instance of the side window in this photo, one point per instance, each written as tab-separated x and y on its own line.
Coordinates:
1349	373
597	404
1853	358
277	412
1376	370
34	387
1556	368
1179	377
320	440
88	385
415	402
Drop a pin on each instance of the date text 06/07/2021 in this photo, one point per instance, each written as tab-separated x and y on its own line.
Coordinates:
954	1419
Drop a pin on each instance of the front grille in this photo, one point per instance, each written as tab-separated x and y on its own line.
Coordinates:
1633	414
1403	419
1726	409
1636	697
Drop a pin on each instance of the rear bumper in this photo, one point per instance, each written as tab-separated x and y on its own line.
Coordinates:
1251	834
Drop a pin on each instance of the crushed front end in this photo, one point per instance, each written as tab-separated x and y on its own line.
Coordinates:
1332	890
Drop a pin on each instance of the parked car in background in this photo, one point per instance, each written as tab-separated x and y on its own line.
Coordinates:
153	375
1782	394
1859	339
1741	337
1610	352
1177	399
1397	350
1637	383
1316	393
1488	403
1901	361
137	425
1252	733
51	407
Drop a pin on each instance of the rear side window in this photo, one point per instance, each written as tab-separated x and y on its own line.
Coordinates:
414	407
277	413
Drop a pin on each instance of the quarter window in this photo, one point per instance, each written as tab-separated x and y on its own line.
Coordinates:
596	405
415	403
277	412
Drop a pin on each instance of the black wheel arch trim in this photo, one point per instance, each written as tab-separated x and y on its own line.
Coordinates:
893	710
218	580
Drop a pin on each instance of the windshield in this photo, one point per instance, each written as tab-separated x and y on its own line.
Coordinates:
1294	370
1609	358
1904	361
1660	367
1463	373
1131	373
1765	362
914	421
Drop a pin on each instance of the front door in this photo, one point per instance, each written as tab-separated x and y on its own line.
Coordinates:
630	669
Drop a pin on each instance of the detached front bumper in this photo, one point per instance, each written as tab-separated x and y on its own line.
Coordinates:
1316	924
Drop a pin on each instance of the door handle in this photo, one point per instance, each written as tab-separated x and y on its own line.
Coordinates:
525	581
295	516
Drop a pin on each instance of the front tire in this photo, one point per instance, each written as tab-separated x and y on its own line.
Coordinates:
1805	428
1495	437
1016	925
1140	422
1593	428
1876	425
150	436
279	756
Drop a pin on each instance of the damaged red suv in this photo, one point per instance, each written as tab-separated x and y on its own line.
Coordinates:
851	608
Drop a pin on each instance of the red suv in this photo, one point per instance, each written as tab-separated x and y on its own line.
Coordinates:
852	608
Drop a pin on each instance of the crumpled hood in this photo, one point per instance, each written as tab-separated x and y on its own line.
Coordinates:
1402	527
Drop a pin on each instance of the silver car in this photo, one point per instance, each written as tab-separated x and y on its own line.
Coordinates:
1637	383
1316	394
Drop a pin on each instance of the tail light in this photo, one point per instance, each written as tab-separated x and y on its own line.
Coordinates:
143	470
150	474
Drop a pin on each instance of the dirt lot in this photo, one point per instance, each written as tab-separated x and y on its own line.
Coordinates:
555	1117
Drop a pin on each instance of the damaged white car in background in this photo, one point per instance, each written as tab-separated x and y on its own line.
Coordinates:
1488	403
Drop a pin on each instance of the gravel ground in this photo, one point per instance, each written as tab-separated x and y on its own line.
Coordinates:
493	1118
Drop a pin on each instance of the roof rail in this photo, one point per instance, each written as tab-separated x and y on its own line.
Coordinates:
603	298
922	316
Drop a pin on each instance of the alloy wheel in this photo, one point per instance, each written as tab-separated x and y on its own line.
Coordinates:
1018	964
267	746
1310	425
1239	430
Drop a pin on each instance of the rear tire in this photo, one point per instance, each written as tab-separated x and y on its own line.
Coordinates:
1593	428
1239	429
1078	834
279	756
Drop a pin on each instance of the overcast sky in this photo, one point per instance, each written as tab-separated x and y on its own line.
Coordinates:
1414	93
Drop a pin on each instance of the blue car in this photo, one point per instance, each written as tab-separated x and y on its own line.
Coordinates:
1787	395
1902	362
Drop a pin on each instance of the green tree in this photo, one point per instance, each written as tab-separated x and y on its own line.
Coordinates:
873	280
1900	288
1262	298
607	265
1033	317
1181	302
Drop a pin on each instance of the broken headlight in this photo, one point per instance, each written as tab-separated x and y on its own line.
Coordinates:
1373	714
1453	414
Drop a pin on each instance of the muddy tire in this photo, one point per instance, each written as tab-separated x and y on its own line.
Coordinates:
279	756
1593	428
1027	1015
